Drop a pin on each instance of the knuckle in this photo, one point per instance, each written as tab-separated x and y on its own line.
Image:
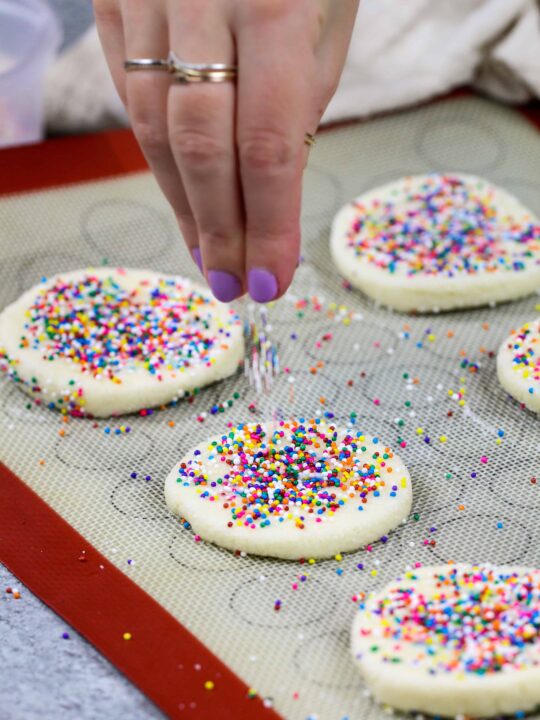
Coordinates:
202	109
269	9
265	152
152	136
328	88
215	238
196	149
286	237
107	12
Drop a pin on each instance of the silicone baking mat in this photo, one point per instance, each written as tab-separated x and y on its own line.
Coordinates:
473	467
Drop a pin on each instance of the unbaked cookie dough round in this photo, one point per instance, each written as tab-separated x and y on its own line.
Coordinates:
296	489
518	365
437	242
453	640
105	341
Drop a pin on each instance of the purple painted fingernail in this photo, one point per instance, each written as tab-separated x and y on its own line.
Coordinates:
196	255
225	286
262	285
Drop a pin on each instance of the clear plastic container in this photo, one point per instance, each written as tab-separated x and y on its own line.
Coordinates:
29	38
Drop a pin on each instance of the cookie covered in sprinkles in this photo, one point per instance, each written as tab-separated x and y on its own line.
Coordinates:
453	641
518	365
437	242
104	342
294	489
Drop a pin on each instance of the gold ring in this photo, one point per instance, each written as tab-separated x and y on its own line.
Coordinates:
185	72
309	139
199	76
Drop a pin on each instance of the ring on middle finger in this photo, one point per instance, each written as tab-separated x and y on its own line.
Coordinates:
185	72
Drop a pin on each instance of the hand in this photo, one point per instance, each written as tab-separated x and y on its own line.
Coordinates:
229	157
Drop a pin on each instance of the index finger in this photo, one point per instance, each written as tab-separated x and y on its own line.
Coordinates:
275	70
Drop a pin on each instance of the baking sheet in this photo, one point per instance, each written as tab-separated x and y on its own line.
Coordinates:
297	658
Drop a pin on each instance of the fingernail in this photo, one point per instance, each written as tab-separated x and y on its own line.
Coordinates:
196	255
225	286
262	285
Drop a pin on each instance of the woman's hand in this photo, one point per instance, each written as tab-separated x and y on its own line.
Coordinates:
229	157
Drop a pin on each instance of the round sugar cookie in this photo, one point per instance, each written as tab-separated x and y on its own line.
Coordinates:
453	640
518	365
296	489
105	341
437	242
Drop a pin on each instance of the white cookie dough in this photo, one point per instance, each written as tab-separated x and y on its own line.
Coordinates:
437	242
453	640
518	365
106	341
299	489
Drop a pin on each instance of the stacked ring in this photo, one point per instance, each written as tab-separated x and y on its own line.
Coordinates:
185	72
146	64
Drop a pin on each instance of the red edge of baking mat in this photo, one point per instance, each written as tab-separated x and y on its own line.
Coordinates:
43	550
92	595
69	160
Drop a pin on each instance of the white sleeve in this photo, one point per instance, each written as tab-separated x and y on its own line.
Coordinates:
401	53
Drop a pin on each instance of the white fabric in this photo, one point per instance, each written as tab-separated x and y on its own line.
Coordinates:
401	53
79	91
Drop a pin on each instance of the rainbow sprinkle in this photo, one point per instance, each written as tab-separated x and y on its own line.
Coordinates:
261	364
164	327
524	345
444	226
301	472
459	619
